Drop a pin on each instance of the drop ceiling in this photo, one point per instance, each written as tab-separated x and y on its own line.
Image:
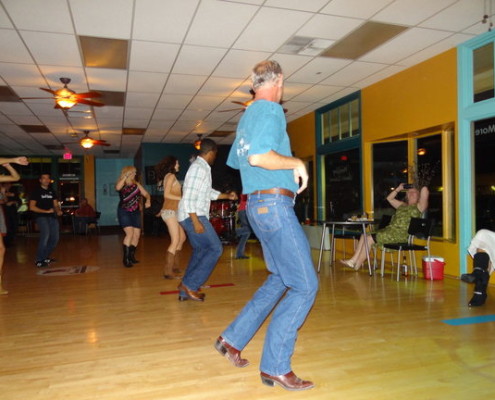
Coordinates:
169	69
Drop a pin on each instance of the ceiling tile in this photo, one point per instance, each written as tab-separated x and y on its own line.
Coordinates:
355	8
198	60
45	48
176	101
107	79
97	18
4	20
317	92
76	75
135	99
238	63
436	48
26	15
143	82
21	74
184	84
328	27
353	73
317	70
134	113
411	12
313	5
12	48
152	56
229	21
404	45
459	16
219	86
161	21
264	35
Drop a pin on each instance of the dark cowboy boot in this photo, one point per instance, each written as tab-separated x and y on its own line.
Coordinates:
127	262
132	251
481	278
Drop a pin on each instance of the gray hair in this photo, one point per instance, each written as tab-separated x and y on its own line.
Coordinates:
264	72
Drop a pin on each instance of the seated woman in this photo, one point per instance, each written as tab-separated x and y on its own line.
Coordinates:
482	249
415	204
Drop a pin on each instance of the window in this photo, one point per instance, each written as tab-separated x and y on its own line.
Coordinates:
417	161
483	75
484	173
338	168
340	121
343	184
389	170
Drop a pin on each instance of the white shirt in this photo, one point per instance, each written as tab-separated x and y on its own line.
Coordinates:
197	192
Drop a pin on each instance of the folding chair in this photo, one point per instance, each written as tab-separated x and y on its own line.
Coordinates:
418	228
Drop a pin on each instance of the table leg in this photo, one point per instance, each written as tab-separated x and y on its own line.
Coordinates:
365	237
321	245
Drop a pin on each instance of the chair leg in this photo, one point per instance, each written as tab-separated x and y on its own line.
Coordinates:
383	262
398	265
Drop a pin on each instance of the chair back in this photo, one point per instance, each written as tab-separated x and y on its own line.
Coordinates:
420	228
384	221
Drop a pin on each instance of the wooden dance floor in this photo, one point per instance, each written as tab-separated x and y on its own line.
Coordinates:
92	329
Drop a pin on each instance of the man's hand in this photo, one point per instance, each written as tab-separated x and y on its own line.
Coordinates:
301	177
198	226
147	204
232	196
21	160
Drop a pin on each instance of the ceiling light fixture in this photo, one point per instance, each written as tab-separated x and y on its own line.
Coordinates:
197	142
87	143
487	15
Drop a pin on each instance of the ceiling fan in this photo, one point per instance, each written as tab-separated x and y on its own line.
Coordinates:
87	142
246	104
66	98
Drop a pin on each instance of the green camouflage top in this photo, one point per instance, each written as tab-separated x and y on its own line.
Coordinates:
396	231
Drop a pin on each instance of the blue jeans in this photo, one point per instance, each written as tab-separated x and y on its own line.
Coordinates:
49	235
244	232
288	258
207	249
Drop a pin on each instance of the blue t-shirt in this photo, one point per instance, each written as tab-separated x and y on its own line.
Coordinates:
262	128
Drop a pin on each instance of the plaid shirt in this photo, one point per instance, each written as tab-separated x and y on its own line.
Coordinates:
197	192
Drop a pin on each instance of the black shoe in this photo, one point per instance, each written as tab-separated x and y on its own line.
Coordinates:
41	264
242	258
478	299
468	278
49	260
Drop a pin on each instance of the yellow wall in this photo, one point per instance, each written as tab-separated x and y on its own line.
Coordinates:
303	139
416	99
302	136
89	179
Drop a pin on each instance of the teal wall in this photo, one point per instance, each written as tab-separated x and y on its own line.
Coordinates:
107	172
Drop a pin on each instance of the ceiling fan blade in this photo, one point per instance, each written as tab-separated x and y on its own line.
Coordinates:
30	98
242	103
88	94
232	109
101	143
90	102
48	90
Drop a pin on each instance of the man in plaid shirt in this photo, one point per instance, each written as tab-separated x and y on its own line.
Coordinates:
194	210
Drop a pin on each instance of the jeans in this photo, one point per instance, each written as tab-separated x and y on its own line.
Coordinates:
288	258
244	232
49	235
207	249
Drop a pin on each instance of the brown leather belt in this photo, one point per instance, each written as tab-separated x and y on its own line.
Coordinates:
281	191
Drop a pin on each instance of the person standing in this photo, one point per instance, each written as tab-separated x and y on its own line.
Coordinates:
45	206
11	177
271	177
128	212
194	209
166	172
